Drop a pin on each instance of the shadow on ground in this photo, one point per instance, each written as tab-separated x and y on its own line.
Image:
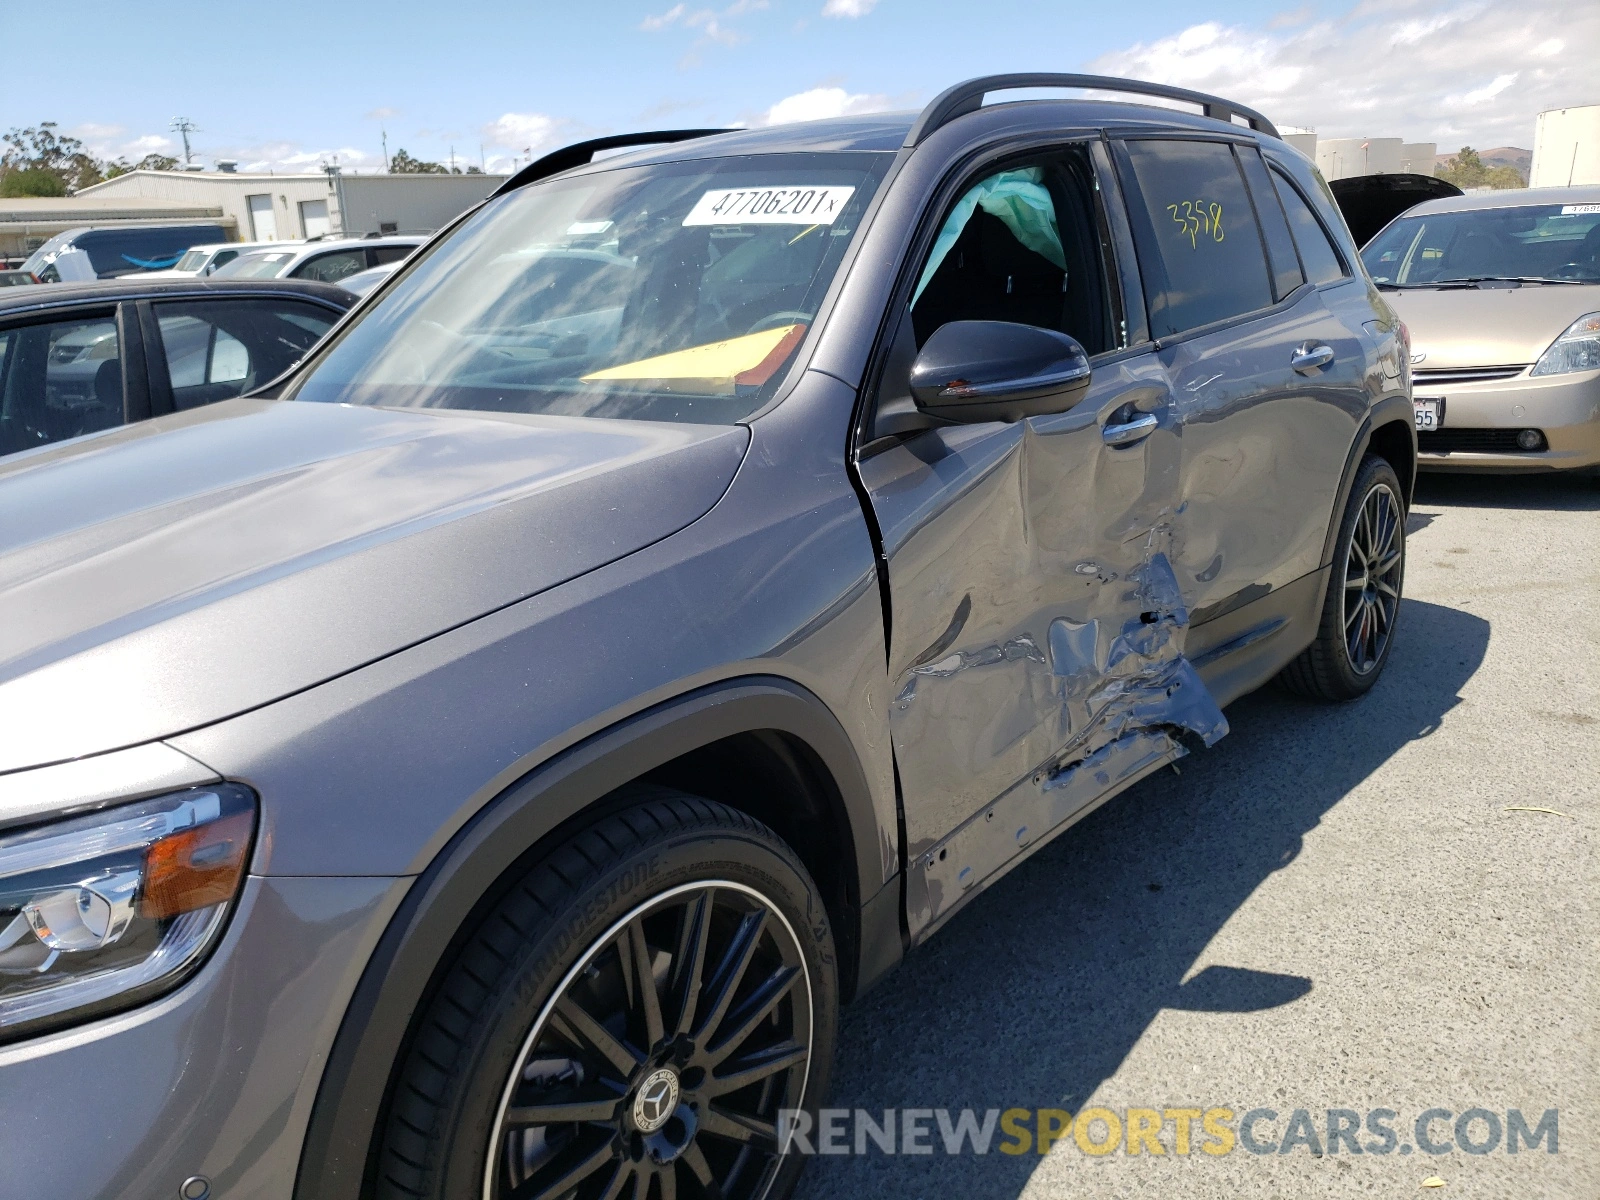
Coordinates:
1546	493
1035	994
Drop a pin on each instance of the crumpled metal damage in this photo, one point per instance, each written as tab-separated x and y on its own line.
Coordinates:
1128	703
1134	677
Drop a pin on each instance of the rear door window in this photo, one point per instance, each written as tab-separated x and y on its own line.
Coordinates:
388	254
1322	261
59	380
1200	250
218	349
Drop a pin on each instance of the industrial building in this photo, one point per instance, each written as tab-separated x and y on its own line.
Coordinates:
26	224
269	207
1345	158
253	207
1566	147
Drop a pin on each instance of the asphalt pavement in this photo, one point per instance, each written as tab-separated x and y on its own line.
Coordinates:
1345	908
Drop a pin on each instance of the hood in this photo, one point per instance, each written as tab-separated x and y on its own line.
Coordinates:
176	572
1489	327
1369	202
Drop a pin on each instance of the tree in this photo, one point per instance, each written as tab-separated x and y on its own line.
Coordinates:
403	164
1466	169
39	149
31	181
150	162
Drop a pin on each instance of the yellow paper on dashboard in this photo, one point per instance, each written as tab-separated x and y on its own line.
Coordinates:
716	368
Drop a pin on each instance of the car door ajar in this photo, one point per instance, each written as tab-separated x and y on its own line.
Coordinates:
1267	383
1036	628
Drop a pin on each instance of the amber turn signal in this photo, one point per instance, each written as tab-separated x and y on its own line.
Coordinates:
196	868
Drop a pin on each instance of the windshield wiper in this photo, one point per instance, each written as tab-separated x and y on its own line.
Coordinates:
1475	280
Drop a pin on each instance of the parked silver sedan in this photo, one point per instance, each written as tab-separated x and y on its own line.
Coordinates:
1501	293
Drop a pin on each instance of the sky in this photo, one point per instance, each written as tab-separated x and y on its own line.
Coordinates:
293	84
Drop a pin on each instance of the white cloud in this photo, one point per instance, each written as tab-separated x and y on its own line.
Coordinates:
523	132
848	8
661	20
707	21
1425	70
821	103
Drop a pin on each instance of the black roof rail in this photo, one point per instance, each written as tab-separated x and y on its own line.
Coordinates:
579	153
968	97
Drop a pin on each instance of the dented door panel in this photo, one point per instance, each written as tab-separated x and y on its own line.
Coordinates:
1035	622
1258	484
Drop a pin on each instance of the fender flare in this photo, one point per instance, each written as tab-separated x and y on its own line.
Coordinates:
1389	410
351	1092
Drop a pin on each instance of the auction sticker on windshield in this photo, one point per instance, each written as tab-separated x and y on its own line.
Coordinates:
770	206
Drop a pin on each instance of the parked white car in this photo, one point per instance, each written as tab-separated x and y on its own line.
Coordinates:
200	261
327	261
363	282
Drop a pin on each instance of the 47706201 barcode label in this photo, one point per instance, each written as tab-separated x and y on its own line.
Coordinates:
803	205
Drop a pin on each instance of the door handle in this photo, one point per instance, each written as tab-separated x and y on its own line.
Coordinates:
1311	356
1126	433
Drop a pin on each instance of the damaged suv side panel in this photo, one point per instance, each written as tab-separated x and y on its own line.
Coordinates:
1036	655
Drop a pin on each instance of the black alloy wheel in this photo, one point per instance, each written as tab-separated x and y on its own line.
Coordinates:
659	1068
1372	566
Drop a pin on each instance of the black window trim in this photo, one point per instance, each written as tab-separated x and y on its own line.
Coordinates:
962	173
1333	242
1125	170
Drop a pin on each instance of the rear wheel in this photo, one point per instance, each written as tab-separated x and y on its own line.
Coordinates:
1362	604
628	1023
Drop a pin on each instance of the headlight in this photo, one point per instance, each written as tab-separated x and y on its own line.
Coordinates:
103	911
1578	349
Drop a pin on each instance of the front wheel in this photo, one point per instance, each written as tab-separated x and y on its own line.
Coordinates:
627	1023
1362	604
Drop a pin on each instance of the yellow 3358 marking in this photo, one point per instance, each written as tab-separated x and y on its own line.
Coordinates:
1197	219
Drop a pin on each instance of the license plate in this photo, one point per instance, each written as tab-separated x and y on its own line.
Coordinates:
1430	414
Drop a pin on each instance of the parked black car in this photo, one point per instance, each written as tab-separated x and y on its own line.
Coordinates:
78	358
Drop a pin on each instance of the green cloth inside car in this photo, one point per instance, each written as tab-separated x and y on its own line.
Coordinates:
1018	198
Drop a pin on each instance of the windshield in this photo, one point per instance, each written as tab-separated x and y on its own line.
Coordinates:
254	266
36	261
1539	241
675	292
193	260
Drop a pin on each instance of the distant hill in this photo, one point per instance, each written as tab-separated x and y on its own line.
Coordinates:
1515	157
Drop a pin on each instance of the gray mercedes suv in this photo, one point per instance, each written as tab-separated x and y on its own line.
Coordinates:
481	764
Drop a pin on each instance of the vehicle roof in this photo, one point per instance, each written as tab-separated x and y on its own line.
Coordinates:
886	132
41	296
1511	198
300	250
242	246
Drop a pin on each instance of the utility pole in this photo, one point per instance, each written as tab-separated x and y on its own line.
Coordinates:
184	126
452	160
385	135
336	186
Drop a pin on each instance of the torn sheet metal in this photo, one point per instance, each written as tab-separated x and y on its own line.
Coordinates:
1129	702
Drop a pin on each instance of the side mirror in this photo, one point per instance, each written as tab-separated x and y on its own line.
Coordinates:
998	371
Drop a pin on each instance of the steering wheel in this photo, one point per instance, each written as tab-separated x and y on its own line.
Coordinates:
773	320
1574	270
